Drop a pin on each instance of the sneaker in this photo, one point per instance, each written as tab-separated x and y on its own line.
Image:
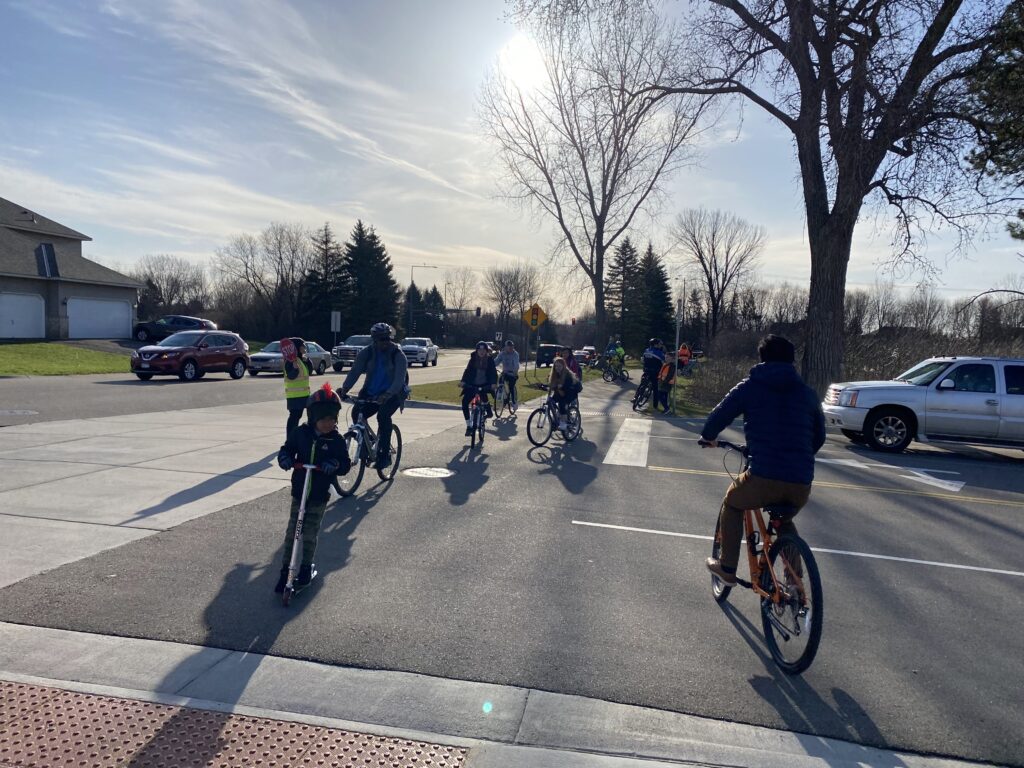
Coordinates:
715	566
306	575
469	431
383	461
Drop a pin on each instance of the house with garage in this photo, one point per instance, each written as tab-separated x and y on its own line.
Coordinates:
48	290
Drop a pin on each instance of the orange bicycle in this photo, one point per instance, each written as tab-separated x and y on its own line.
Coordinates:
784	574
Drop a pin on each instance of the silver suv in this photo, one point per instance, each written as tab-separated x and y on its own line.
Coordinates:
976	400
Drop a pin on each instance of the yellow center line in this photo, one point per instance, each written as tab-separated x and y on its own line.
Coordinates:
851	487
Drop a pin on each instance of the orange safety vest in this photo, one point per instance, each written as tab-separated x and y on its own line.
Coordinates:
684	355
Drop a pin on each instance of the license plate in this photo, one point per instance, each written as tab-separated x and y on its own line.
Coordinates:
145	365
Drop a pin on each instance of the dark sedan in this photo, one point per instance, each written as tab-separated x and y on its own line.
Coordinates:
192	354
154	330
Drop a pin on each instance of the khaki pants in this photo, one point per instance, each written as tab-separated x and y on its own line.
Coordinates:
750	492
310	531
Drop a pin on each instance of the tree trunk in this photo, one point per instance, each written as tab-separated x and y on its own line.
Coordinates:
600	317
825	342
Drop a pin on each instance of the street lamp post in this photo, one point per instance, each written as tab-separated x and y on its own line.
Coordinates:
412	279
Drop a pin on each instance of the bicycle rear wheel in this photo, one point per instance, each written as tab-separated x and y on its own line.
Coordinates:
389	472
719	588
348	482
539	426
792	627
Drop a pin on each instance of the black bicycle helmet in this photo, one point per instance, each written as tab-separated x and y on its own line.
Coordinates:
483	344
654	342
382	331
323	402
510	343
299	343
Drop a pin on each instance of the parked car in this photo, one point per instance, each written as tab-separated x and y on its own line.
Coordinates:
190	355
591	352
419	349
345	354
270	360
977	400
154	330
546	353
582	356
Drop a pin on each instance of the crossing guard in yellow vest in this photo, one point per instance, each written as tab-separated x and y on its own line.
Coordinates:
297	370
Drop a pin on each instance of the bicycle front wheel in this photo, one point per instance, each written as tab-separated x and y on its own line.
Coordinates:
642	396
608	375
500	401
539	426
792	626
389	472
348	482
574	422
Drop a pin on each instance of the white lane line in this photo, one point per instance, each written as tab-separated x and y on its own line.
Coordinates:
815	549
629	449
669	437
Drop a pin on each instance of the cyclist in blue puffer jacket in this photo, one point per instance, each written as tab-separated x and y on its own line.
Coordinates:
784	428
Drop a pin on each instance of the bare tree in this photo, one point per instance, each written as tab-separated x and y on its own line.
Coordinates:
723	250
180	284
460	289
501	288
274	265
579	150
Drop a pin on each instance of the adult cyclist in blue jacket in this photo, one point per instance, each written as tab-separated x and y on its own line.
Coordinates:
784	428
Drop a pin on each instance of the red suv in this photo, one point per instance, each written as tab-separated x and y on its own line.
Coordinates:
191	354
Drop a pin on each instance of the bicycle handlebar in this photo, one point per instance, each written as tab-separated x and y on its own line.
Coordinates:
725	444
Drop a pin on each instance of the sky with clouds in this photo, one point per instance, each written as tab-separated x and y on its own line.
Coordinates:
169	126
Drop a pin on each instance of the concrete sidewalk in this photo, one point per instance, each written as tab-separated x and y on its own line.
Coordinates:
498	726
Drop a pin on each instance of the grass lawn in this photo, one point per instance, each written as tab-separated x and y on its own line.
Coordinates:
42	359
437	392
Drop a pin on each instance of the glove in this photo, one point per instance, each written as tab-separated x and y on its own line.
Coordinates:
329	466
284	461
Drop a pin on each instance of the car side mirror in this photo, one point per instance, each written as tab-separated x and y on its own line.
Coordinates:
947	384
204	345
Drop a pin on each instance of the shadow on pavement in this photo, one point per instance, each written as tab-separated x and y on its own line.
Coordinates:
801	707
178	741
470	468
209	487
569	462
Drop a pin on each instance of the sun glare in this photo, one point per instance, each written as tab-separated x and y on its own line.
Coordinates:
521	62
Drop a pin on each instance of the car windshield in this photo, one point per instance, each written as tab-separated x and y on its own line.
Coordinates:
185	339
358	341
274	346
923	374
416	342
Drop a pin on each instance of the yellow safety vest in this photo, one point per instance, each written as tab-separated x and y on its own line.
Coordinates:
299	386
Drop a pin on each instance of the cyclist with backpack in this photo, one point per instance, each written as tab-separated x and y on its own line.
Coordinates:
386	385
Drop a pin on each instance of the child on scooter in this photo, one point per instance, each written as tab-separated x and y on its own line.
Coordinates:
315	442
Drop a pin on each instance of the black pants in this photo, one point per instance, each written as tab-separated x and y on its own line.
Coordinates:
296	407
510	382
467	395
384	414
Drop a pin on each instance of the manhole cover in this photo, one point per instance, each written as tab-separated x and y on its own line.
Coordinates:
428	472
13	412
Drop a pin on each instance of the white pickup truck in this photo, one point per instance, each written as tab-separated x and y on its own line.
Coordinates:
978	400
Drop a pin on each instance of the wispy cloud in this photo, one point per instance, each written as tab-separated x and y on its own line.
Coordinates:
159	147
60	18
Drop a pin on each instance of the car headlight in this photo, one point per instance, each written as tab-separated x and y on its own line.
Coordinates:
167	355
848	398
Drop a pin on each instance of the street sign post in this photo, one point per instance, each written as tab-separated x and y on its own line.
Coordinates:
335	324
497	335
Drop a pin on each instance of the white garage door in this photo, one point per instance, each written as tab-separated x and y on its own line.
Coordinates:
99	319
22	316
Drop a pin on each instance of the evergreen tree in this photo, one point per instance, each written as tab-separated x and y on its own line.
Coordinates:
326	288
375	294
412	309
433	301
624	297
657	301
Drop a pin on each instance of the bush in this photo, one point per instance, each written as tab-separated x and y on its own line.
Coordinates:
714	378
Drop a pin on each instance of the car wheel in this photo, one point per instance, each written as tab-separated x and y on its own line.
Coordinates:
238	369
338	367
889	430
320	369
853	437
145	376
142	334
189	371
434	361
253	373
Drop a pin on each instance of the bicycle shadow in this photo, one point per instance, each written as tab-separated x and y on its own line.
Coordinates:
244	607
568	462
505	428
800	706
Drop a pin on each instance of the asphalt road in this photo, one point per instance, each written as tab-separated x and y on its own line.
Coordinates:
521	569
27	399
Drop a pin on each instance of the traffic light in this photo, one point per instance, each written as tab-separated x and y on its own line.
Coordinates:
478	311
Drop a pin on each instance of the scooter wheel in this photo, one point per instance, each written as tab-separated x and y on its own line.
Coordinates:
286	596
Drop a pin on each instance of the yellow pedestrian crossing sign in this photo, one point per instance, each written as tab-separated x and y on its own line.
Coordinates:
534	317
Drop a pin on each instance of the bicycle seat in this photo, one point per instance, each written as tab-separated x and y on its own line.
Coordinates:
781	511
